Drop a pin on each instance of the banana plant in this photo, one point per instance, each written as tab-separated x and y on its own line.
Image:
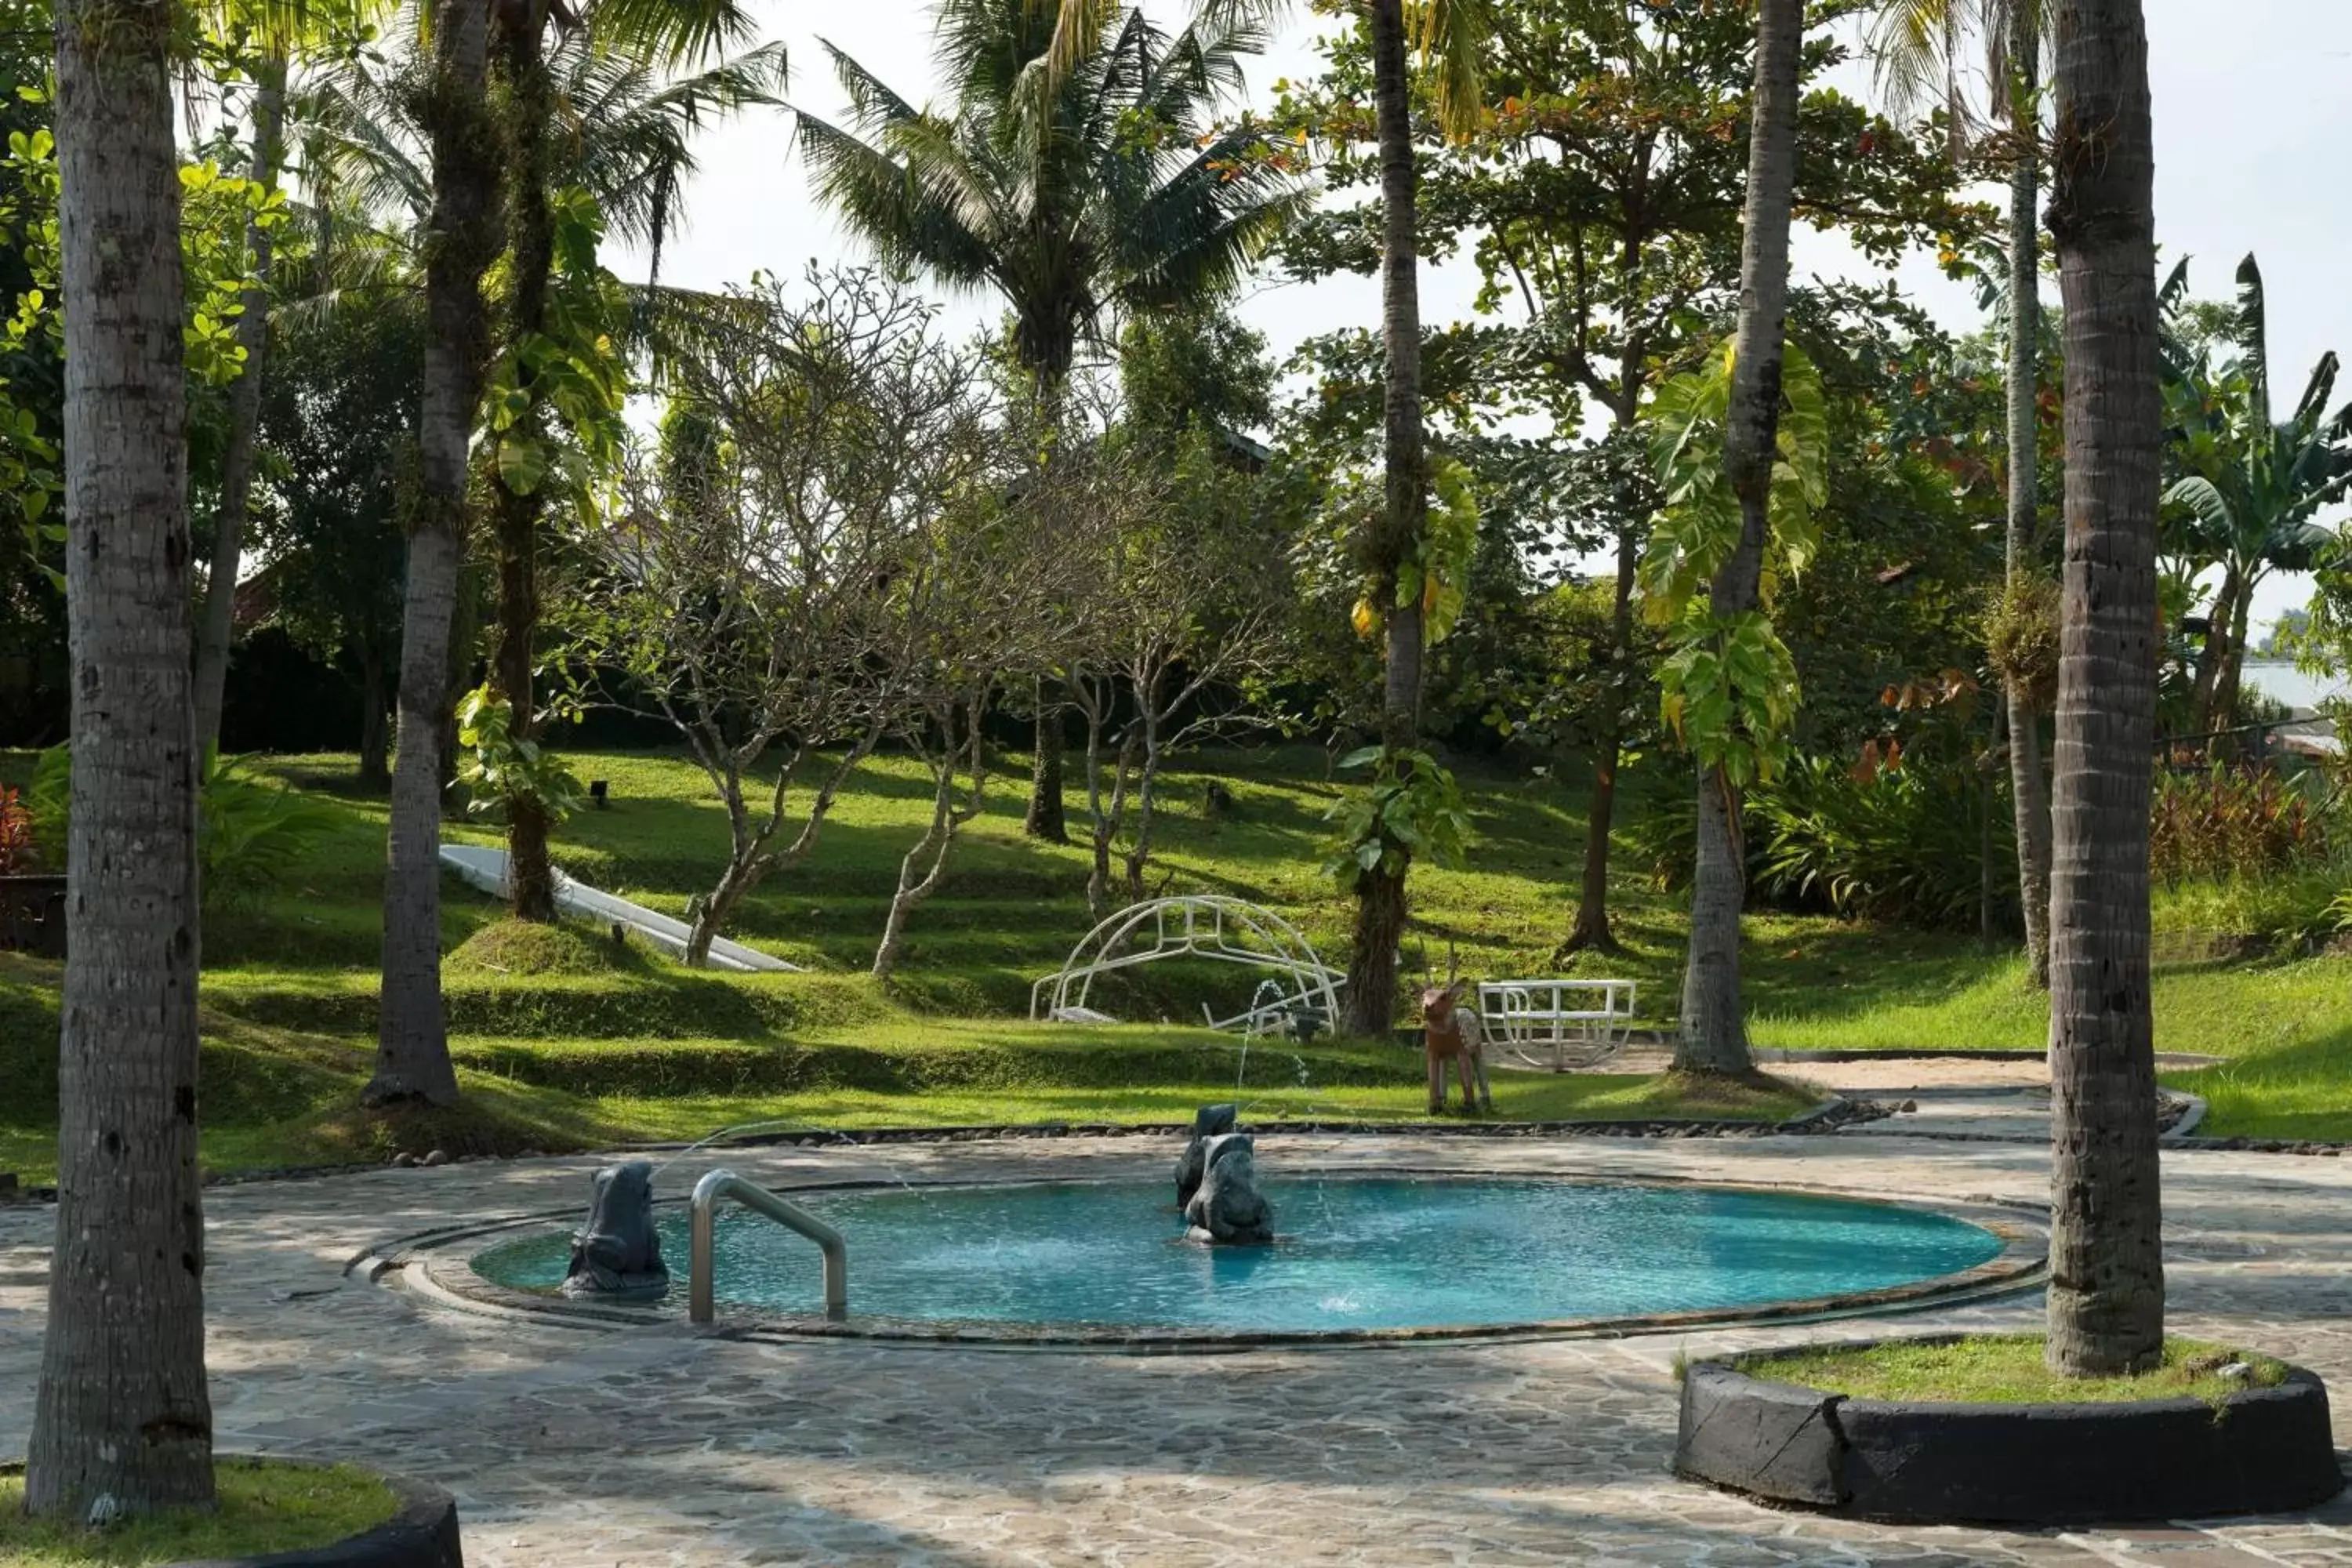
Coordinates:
2250	488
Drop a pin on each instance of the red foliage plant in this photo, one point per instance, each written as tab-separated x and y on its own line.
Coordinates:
16	834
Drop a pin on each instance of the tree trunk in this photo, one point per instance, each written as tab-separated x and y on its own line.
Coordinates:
412	1040
2029	791
529	108
1592	908
374	773
1047	819
122	1411
1714	1036
2234	665
2106	1270
244	421
2214	654
1371	1005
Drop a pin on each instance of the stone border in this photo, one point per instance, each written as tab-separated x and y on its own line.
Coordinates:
439	1265
421	1533
2260	1450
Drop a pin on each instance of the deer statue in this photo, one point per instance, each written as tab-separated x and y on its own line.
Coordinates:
1451	1035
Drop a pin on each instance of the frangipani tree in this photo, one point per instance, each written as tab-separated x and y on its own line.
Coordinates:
1080	174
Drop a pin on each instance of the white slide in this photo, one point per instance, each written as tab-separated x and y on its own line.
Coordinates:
487	870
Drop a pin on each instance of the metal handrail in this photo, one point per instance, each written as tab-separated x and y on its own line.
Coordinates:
719	1185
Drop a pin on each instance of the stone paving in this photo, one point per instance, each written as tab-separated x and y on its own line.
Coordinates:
578	1447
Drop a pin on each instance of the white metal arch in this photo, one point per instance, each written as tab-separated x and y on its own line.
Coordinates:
1199	925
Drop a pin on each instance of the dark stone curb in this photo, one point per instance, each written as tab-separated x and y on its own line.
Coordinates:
2262	1450
421	1533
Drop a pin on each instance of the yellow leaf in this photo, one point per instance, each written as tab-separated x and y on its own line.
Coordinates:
1366	619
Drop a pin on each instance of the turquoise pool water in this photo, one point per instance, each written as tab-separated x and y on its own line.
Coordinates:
1353	1253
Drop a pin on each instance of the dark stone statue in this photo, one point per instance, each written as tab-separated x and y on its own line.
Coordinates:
618	1253
1208	1122
1228	1209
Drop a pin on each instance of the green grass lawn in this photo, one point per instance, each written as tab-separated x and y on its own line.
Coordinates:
2005	1369
264	1508
565	1042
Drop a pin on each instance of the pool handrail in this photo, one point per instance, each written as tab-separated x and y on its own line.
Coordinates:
701	1306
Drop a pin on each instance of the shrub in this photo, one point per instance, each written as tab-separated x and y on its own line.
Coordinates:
1902	843
250	835
2229	822
16	848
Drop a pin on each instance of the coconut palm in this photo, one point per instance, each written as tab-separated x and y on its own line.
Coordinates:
1919	45
2253	486
122	1420
1714	1036
532	105
1079	174
2106	1272
420	138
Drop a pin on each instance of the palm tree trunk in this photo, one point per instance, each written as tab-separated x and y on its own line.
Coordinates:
122	1410
244	420
412	1037
1371	1005
2029	791
529	108
1592	905
1714	1036
2106	1270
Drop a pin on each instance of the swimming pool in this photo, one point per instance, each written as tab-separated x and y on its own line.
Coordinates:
1353	1253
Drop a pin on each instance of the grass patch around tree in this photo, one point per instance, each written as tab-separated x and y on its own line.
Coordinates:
265	1507
2007	1369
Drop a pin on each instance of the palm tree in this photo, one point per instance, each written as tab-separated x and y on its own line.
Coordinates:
1714	1036
2252	484
1915	41
412	1037
531	105
122	1411
1080	175
420	141
2106	1270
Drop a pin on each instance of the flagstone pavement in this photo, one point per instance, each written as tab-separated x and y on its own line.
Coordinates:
573	1448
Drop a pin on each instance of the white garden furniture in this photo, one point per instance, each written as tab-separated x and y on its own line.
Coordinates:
1557	1024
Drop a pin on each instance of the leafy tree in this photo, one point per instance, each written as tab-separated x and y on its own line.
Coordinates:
1079	174
1601	197
338	441
2107	1267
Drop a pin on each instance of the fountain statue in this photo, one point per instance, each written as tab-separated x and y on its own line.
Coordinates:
1208	1121
1228	1209
618	1253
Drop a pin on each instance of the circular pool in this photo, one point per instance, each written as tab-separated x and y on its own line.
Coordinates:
1354	1254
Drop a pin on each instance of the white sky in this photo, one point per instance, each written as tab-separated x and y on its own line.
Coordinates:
2254	110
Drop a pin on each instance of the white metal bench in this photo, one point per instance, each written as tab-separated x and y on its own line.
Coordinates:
1557	1024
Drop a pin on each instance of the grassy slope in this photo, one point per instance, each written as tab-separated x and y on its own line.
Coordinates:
624	1046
